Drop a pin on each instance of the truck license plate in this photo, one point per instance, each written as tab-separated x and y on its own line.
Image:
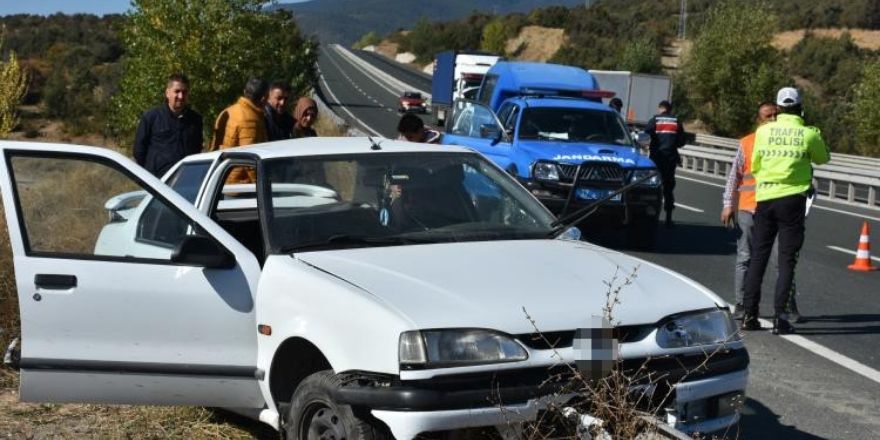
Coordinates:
596	194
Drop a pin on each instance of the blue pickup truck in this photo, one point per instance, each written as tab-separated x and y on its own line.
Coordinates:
543	122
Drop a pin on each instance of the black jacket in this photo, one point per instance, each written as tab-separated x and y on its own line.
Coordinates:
162	138
667	135
279	126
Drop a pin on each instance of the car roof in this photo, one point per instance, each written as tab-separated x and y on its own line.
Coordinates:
327	146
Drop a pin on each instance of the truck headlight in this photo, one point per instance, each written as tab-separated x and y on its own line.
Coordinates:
653	181
707	328
545	171
456	348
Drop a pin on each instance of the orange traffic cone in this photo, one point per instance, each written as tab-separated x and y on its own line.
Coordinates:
863	253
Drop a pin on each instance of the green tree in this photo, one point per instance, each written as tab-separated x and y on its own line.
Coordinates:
865	115
219	44
642	56
732	66
369	39
13	85
495	37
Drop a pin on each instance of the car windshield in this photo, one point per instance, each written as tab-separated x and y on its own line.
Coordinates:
573	125
383	199
412	95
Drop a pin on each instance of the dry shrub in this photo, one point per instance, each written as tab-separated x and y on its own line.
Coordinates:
9	322
621	405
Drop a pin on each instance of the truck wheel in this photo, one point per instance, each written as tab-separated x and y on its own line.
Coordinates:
314	415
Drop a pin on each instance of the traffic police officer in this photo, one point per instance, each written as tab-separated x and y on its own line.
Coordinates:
781	165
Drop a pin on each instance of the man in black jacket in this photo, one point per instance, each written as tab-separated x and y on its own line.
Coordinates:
169	132
279	121
667	136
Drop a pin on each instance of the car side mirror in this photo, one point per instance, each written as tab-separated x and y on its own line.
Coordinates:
490	131
198	250
643	139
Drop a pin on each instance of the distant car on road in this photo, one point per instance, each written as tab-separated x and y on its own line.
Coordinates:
412	102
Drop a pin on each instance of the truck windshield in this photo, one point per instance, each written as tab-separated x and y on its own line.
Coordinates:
387	199
573	125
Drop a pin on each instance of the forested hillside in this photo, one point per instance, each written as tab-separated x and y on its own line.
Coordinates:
344	21
632	35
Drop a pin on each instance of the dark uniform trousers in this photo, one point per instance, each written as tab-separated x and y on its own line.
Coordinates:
783	216
666	165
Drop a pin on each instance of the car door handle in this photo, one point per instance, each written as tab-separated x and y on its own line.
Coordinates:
54	281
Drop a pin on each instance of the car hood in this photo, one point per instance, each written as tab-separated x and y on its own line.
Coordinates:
558	283
577	152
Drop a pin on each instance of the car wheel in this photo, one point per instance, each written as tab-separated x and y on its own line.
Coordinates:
314	415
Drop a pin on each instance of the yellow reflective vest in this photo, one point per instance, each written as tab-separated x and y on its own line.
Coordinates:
782	157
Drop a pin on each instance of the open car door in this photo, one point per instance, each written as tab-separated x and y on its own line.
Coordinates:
127	293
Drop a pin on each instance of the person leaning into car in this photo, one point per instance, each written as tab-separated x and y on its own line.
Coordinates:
169	132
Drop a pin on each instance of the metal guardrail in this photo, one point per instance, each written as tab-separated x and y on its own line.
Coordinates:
854	180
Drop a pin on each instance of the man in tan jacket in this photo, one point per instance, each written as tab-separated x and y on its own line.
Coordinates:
241	124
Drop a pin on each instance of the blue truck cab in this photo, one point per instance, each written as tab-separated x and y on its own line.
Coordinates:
540	122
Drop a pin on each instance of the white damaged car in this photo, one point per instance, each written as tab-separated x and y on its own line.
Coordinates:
356	290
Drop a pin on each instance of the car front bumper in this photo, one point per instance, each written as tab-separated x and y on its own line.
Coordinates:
641	202
703	399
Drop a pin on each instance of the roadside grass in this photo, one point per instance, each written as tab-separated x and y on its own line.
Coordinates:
48	421
325	127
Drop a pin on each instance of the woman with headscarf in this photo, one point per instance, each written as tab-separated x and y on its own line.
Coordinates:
305	113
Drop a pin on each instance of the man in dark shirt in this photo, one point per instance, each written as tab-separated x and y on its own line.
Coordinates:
279	121
169	132
667	136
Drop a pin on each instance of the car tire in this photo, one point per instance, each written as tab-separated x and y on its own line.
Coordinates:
314	415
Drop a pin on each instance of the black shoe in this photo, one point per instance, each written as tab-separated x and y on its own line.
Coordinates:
782	327
794	315
738	312
669	222
750	323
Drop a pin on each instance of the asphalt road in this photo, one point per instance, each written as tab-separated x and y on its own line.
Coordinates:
798	387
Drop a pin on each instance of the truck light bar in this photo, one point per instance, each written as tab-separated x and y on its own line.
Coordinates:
568	93
598	94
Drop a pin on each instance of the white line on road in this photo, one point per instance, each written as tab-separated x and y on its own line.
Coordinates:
840	211
815	206
831	355
327	87
699	181
689	208
847	251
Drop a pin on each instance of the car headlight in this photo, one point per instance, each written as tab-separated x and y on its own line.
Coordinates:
707	328
456	348
545	171
653	181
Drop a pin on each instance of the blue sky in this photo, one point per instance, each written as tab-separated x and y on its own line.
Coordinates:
46	7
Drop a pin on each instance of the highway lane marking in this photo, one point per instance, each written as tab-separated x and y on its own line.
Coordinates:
689	208
346	56
699	181
840	211
815	206
827	353
847	251
332	95
390	80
